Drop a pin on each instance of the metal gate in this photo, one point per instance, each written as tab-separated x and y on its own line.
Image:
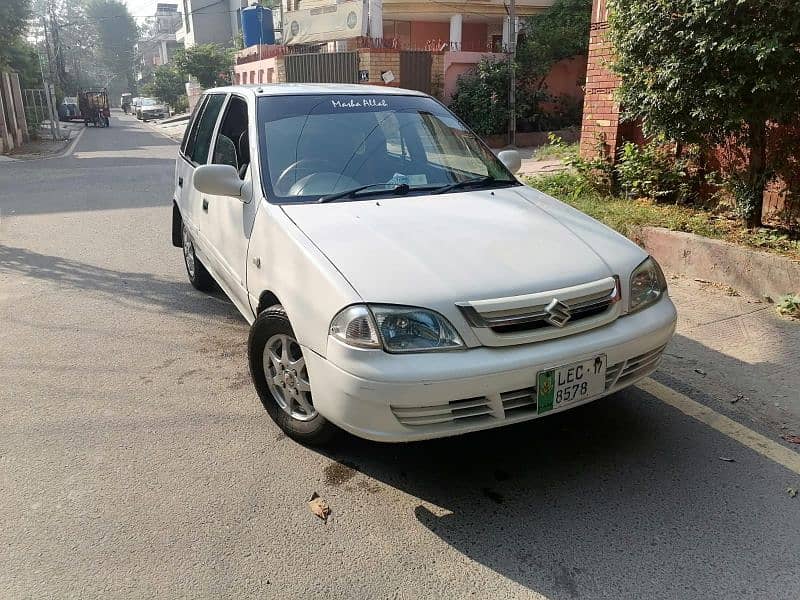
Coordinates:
36	110
415	70
332	67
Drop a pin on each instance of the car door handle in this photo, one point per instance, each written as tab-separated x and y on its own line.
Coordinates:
205	204
180	181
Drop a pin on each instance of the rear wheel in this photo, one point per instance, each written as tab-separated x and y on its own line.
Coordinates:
198	276
280	375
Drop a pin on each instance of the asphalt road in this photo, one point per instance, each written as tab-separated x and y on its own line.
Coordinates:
136	460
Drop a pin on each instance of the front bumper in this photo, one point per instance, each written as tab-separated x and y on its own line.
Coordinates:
398	398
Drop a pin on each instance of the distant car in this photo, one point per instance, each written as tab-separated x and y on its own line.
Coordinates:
68	109
151	108
400	282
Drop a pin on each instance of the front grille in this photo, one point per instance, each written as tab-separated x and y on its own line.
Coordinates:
519	401
626	372
470	408
542	315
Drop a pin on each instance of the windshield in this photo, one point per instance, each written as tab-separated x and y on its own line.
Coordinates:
149	102
317	145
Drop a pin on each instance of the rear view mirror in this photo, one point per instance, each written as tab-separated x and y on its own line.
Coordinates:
218	180
511	159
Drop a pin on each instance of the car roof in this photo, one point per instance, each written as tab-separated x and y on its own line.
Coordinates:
310	89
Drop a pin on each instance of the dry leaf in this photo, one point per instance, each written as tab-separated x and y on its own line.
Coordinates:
792	439
319	507
791	491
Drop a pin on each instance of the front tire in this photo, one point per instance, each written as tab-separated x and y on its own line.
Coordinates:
280	375
198	276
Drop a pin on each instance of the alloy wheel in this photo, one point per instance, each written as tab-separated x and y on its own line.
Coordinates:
287	377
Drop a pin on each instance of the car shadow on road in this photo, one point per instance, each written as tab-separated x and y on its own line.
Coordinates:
622	498
129	288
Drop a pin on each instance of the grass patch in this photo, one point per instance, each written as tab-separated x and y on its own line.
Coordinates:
630	216
557	151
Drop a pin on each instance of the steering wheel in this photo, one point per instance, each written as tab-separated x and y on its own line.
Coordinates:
309	164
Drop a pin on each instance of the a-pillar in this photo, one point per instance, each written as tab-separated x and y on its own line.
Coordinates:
456	22
600	129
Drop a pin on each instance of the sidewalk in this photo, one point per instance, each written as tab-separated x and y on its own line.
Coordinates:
738	351
45	146
532	166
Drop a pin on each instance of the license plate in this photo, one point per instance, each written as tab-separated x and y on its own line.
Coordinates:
570	383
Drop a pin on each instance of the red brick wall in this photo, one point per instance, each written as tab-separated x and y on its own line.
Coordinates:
600	111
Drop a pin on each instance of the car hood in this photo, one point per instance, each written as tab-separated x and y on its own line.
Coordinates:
154	107
433	251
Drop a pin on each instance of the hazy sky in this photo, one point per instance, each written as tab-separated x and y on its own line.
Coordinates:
139	8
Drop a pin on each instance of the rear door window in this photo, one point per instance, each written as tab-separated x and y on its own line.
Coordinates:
191	130
205	128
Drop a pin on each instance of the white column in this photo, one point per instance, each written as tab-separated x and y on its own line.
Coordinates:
375	19
456	21
506	33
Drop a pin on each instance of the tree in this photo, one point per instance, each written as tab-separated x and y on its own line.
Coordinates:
168	84
22	58
13	21
210	64
709	72
117	35
560	32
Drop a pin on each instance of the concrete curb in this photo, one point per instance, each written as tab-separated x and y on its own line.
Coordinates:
749	271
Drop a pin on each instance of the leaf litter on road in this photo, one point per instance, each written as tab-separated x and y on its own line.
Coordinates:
792	492
319	507
792	439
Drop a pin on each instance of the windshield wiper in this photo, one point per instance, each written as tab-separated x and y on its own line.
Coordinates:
397	189
479	181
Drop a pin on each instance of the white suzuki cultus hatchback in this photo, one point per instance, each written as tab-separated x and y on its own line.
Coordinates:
400	282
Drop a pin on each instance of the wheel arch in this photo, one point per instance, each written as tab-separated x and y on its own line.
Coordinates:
265	300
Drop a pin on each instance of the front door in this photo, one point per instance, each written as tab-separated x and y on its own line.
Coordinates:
231	219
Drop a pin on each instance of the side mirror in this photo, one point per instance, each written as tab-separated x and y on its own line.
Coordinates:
511	159
218	180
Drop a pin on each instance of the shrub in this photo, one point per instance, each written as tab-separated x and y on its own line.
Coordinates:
711	72
481	97
653	171
181	105
598	172
789	306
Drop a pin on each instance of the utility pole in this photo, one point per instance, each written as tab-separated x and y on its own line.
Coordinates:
512	69
55	129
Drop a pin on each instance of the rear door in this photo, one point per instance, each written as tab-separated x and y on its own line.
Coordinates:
184	166
197	153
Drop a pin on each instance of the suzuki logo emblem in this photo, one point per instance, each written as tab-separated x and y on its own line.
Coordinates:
558	313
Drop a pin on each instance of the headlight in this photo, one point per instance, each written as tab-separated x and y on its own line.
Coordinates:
356	327
395	328
648	284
